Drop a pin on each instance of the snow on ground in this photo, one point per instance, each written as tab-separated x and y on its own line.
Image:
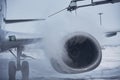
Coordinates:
40	68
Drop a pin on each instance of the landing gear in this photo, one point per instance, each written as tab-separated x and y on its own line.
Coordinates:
25	70
13	68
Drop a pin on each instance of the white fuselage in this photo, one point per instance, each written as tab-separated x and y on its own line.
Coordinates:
2	17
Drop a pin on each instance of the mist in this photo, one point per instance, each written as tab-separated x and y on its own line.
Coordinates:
55	29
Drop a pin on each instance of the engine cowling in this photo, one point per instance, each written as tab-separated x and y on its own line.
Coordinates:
81	52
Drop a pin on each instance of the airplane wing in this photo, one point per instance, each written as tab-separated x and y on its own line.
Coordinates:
7	44
20	20
22	33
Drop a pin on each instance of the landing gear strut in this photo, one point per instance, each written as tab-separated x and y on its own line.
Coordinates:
13	68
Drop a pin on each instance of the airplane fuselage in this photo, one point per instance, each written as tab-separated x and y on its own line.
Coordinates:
12	42
2	16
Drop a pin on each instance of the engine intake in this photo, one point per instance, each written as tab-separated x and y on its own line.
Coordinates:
81	53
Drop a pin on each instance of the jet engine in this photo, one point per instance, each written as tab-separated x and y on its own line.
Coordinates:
81	52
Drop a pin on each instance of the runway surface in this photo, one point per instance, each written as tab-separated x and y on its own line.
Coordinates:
40	68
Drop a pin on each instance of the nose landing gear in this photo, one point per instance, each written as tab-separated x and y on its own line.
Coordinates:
13	68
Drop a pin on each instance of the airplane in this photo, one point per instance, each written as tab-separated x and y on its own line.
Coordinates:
111	33
73	5
78	52
70	64
13	43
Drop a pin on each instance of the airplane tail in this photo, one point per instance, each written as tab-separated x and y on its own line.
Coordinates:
20	20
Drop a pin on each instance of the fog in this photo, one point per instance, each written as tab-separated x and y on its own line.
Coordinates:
87	19
55	29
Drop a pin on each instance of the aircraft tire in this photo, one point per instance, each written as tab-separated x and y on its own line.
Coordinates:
25	70
12	70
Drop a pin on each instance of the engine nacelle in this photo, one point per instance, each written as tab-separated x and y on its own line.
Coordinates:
81	52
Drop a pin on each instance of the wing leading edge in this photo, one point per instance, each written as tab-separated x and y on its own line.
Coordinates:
21	20
6	45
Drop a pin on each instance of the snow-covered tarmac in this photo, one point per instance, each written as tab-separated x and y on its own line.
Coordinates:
40	68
